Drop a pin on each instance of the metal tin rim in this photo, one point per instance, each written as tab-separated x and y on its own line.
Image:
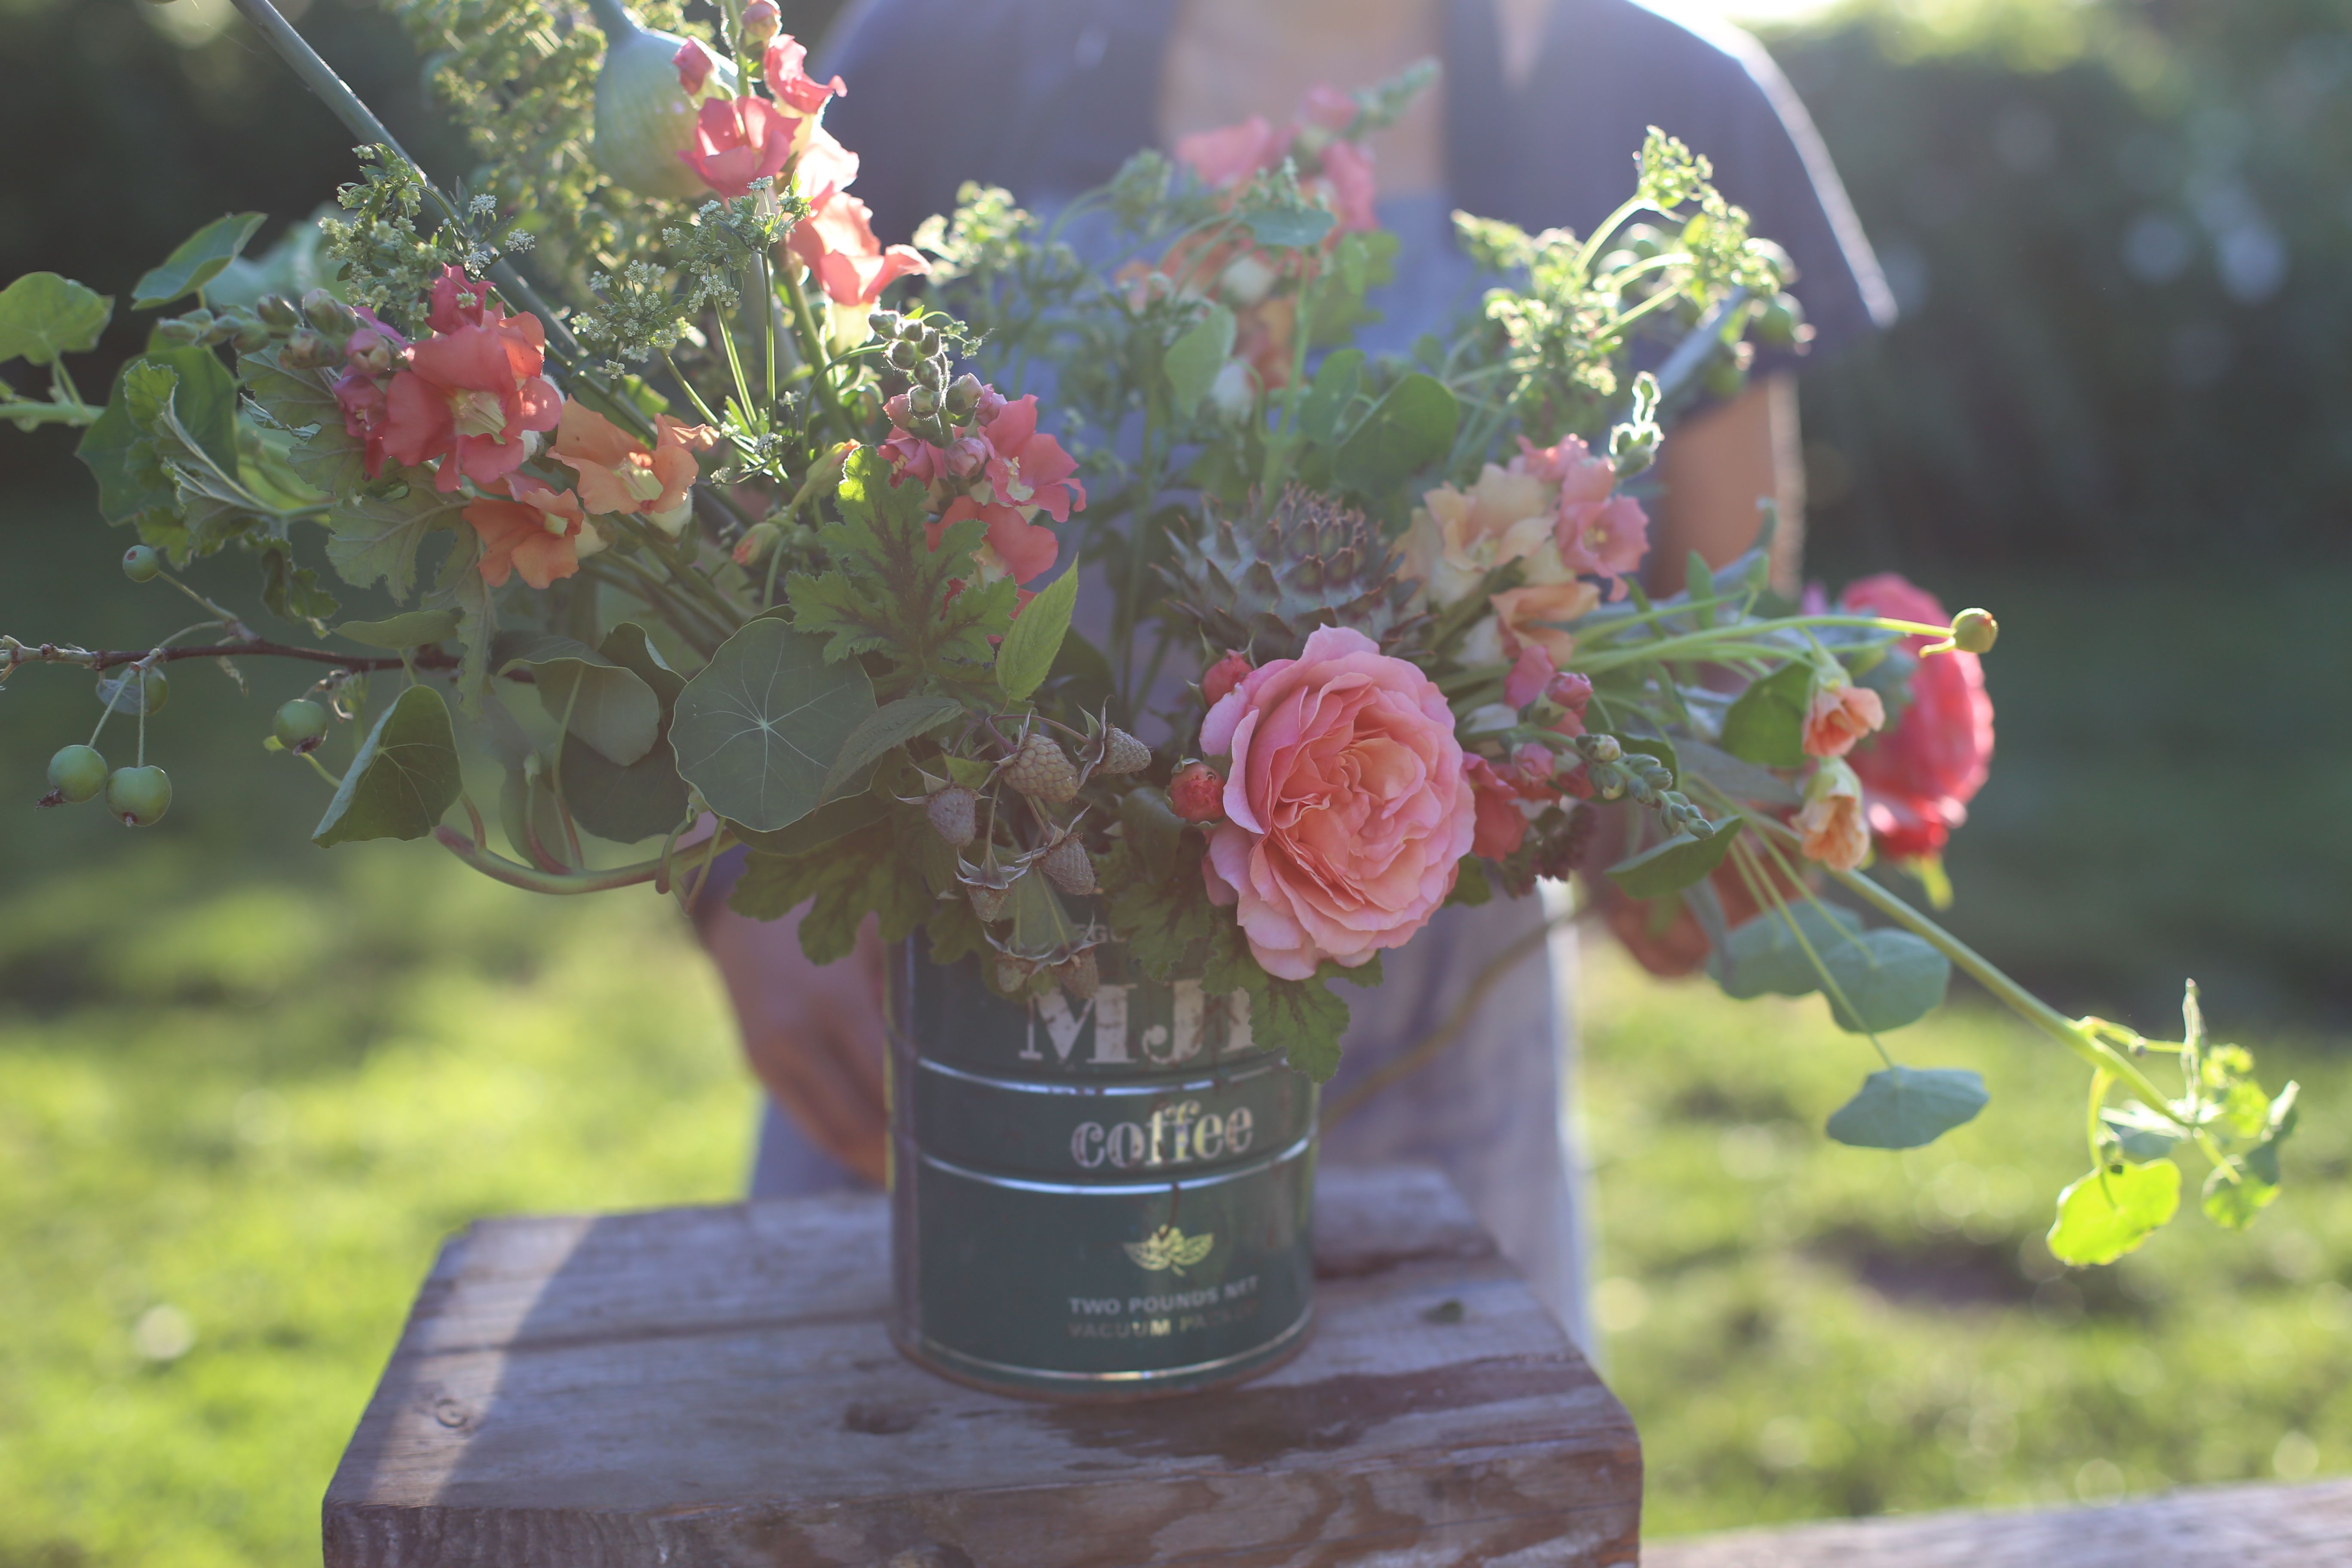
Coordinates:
1080	1089
924	1345
1121	1189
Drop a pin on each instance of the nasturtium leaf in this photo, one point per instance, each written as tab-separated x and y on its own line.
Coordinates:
404	777
1334	387
2235	1195
889	726
601	702
628	646
1293	229
622	803
1194	359
2110	1211
43	315
758	729
1762	954
2141	1132
1675	864
1907	1108
197	260
1891	978
1408	429
1767	724
1026	655
410	629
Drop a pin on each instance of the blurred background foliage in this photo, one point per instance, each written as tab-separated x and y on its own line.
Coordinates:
2117	410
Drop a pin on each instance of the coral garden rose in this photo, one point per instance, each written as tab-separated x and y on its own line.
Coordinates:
540	533
1348	805
1918	776
467	395
1838	716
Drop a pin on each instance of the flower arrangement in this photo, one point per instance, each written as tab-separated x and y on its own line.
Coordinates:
723	550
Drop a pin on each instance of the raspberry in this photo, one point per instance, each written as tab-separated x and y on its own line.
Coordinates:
1196	794
955	812
1123	754
1067	865
1079	975
988	903
1043	771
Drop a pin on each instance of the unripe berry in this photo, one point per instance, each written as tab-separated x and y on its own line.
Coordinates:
140	562
1043	771
139	795
1123	754
1079	975
1196	794
76	772
301	725
1223	675
1069	867
1975	631
955	814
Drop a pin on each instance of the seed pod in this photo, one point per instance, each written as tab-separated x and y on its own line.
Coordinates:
279	312
1069	868
76	772
1123	754
1079	975
902	355
142	563
955	815
299	725
139	796
1043	771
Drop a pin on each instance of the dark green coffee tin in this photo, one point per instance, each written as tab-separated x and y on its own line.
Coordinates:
1105	1199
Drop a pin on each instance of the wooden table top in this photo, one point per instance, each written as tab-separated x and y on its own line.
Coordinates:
2307	1526
714	1386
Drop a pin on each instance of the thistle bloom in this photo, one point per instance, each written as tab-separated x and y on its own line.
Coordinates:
467	398
1838	714
616	475
738	141
540	532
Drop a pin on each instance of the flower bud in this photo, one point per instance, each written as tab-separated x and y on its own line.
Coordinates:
1196	794
928	342
306	349
252	337
922	402
184	330
279	312
368	352
1223	675
964	396
1974	631
1234	392
331	316
760	23
902	355
885	323
757	541
1602	748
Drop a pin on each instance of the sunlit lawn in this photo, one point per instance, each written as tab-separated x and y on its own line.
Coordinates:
234	1129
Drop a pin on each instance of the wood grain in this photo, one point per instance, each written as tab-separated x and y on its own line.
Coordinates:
714	1386
2229	1527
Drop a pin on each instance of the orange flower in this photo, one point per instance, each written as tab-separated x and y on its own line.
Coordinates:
1530	615
540	533
1838	716
1831	823
619	476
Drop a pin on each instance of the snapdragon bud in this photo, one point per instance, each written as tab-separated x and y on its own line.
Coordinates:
757	541
964	396
368	352
306	349
760	23
922	401
902	355
331	316
279	312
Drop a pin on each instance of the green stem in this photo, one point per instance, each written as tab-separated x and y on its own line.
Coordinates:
812	343
743	399
1714	640
687	388
514	874
1599	237
29	413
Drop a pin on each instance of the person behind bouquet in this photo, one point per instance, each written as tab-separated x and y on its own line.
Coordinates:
1542	107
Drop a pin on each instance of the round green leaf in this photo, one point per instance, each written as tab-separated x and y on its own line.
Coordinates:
758	728
1193	360
1766	725
1891	978
2108	1212
404	777
1904	1108
594	698
622	803
1763	956
43	315
1409	428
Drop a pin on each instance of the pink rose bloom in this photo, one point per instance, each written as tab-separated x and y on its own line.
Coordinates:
1233	154
1838	716
738	141
848	263
1348	808
1919	777
793	86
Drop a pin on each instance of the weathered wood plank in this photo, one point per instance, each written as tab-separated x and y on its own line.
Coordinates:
714	1386
2243	1527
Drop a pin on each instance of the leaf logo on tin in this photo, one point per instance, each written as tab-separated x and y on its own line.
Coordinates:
1169	1249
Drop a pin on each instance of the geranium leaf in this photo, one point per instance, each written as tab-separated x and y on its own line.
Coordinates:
43	315
866	873
1027	654
602	704
119	447
404	777
1907	1108
2111	1211
197	261
1304	1018
1767	724
758	729
372	538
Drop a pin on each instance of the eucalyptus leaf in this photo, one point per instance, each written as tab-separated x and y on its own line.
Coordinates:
1767	724
410	629
1739	779
1408	429
758	729
1907	1108
1763	956
43	315
1195	358
1891	977
195	261
404	777
1026	655
2111	1211
606	705
1675	864
886	728
1290	229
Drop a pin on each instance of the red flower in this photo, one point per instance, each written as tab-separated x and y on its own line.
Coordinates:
1499	827
1023	549
693	66
1223	675
540	533
462	301
738	141
1919	776
1027	468
849	264
791	85
466	396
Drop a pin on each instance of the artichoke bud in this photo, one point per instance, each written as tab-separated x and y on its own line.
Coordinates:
645	118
